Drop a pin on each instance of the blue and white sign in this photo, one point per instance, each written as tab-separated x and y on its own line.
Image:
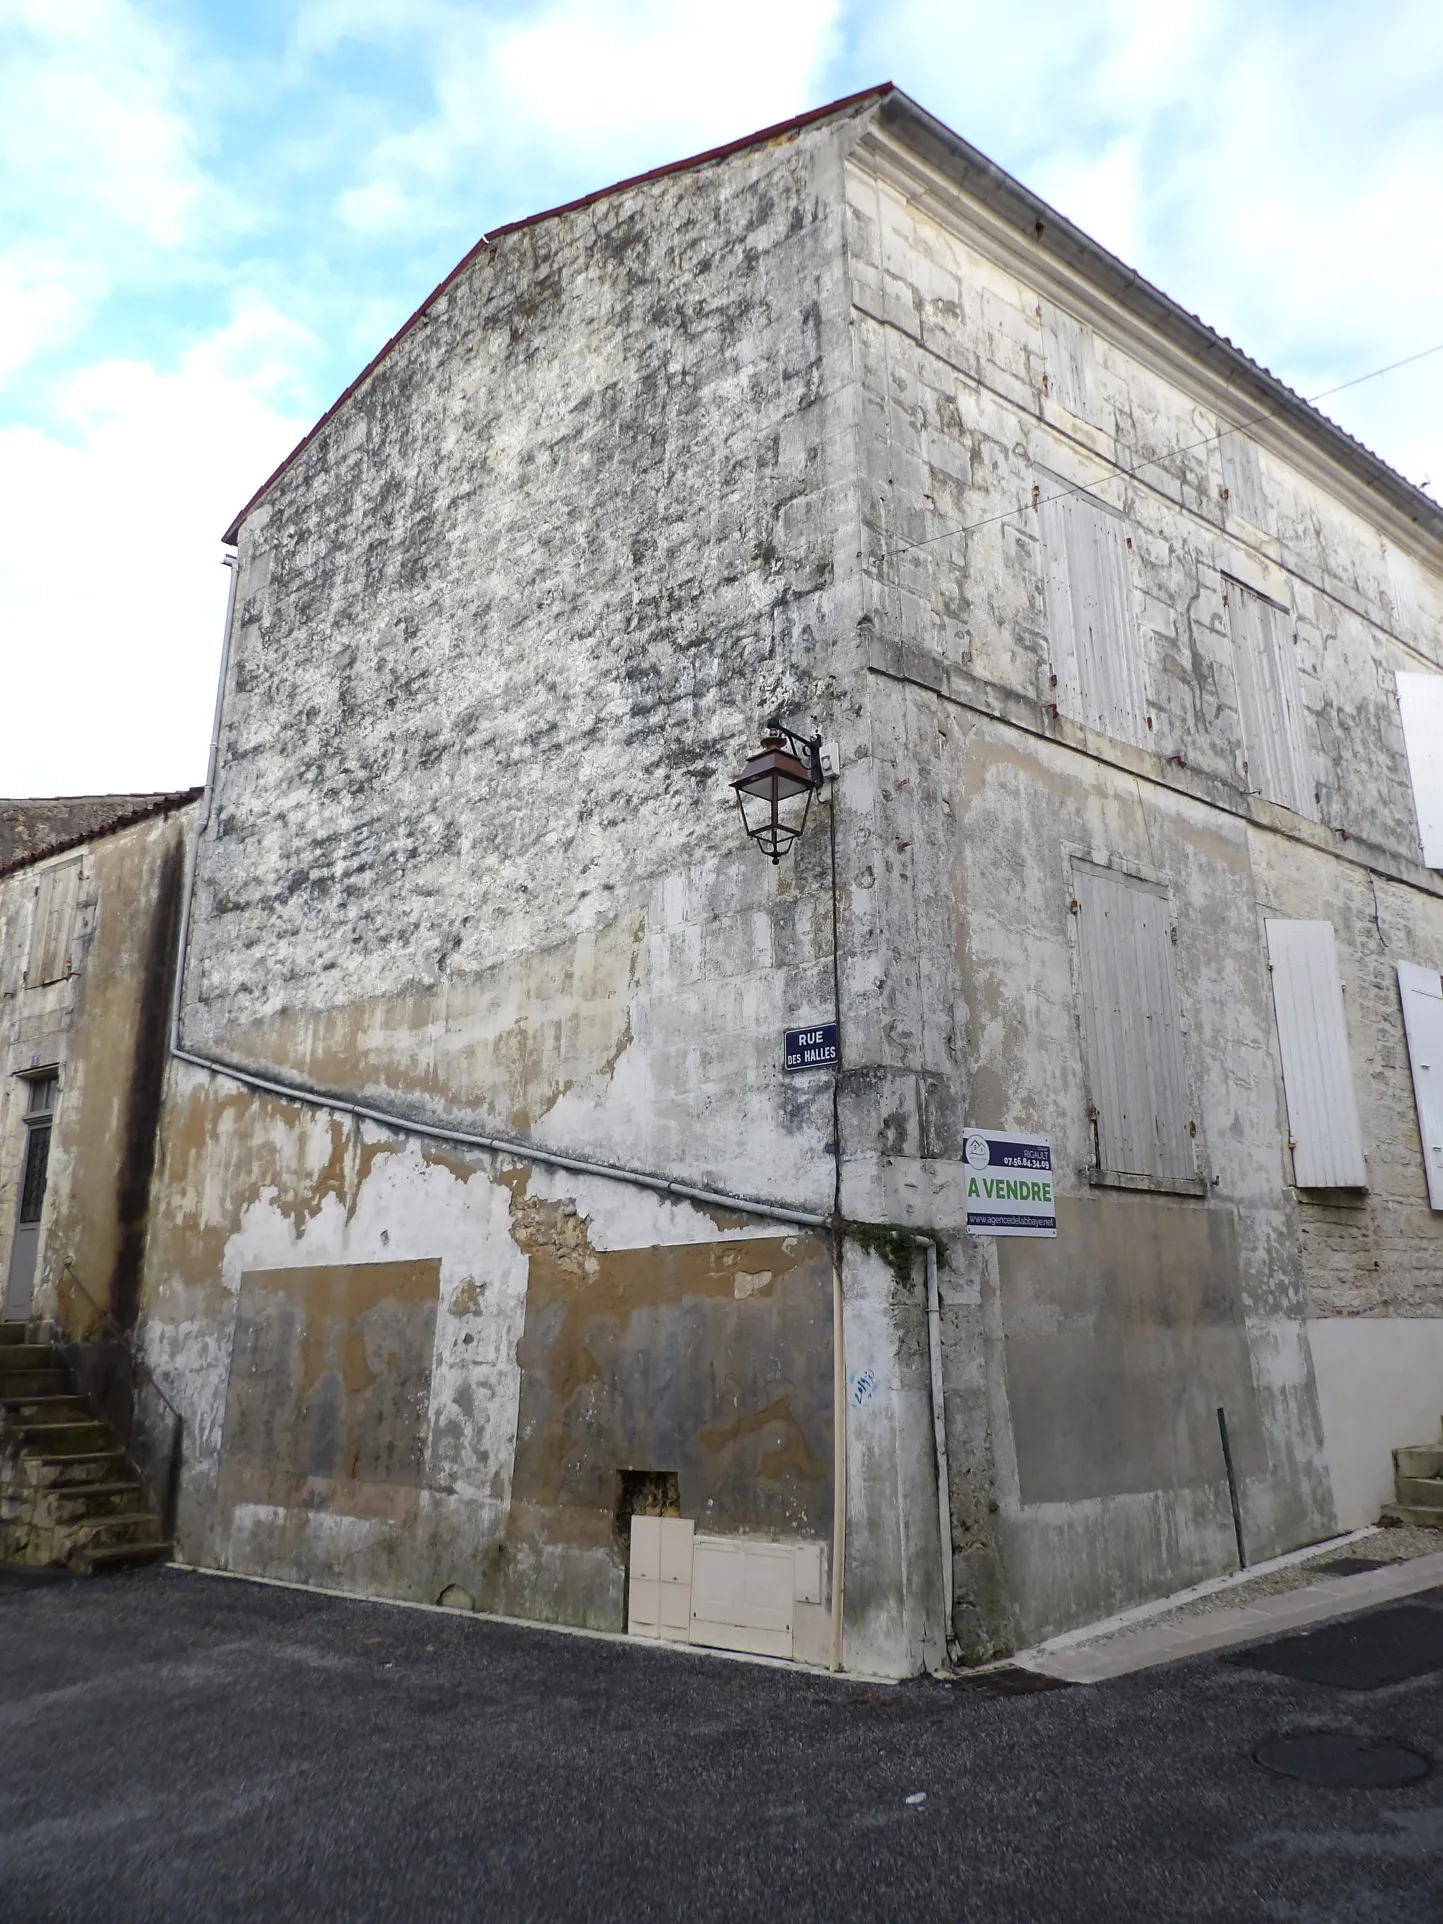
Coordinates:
1009	1184
811	1048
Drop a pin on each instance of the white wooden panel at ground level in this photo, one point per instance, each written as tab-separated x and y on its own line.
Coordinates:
1421	992
1317	1066
741	1595
1420	703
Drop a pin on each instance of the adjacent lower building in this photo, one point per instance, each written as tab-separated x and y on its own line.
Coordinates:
496	1253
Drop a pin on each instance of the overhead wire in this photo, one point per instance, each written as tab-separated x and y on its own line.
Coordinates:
1039	500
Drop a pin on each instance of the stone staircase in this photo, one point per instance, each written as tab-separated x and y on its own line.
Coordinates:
1417	1485
68	1495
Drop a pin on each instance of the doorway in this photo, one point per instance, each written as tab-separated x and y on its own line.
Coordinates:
34	1169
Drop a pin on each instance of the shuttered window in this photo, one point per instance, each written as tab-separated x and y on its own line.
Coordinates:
1420	703
1277	761
50	932
1131	1027
1317	1068
1067	354
1421	991
1090	612
1243	478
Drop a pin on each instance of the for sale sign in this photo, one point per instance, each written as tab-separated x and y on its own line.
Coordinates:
1009	1184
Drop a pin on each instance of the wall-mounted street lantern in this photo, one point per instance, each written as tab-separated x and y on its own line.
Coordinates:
774	791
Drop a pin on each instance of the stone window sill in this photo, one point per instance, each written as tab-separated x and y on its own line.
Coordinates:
1149	1185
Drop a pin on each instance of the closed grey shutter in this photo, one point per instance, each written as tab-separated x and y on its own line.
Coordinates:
1131	1026
1317	1067
50	932
1090	612
1067	350
1243	478
1270	699
1420	705
1421	991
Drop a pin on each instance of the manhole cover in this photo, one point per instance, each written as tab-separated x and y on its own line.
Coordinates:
1338	1761
1360	1653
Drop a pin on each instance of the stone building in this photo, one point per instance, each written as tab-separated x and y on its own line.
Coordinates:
90	892
489	1219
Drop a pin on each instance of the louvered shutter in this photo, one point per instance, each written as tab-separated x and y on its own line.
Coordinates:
1131	1026
1270	698
1067	349
1090	612
1243	478
1421	992
1420	703
50	932
1317	1068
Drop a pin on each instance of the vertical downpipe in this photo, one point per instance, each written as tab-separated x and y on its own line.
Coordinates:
939	1438
1232	1487
839	1354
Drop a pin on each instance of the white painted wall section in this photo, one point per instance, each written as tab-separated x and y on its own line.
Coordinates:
1380	1385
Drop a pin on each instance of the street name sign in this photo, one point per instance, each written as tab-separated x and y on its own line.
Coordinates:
814	1048
1009	1183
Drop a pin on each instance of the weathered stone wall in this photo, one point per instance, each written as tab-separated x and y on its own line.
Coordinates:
1082	1387
504	630
104	1026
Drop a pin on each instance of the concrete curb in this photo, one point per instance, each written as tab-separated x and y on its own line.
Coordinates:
1144	1648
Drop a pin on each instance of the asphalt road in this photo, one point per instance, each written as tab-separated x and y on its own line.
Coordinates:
183	1747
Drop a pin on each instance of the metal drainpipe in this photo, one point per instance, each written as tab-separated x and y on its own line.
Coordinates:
939	1438
839	1351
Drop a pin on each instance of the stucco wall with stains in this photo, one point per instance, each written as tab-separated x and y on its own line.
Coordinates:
503	631
103	1026
1083	1377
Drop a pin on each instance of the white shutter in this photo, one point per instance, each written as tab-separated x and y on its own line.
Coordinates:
1243	478
1131	1028
741	1595
1421	991
1317	1068
1270	699
1067	350
1090	612
1420	703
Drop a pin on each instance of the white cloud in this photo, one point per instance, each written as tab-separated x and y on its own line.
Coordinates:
110	593
608	86
97	167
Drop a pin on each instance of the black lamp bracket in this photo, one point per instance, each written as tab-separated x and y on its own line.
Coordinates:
806	748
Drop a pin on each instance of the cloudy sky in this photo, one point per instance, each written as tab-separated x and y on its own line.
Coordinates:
212	215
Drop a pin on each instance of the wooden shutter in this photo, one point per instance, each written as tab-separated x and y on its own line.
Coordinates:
1420	703
1243	478
1421	992
1090	612
1067	351
1317	1068
50	932
1270	699
1131	1026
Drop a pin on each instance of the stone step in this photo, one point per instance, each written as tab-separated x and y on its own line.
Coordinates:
120	1555
63	1469
28	1356
1419	1459
74	1503
43	1382
124	1527
45	1409
63	1434
12	1333
1417	1516
1420	1492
